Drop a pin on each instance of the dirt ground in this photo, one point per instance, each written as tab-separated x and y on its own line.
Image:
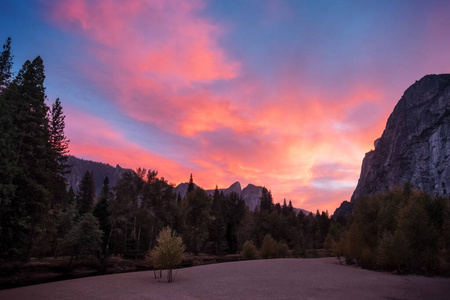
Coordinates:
321	278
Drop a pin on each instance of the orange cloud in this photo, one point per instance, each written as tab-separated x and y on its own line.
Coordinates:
159	61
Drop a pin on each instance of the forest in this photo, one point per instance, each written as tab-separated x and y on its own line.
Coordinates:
403	230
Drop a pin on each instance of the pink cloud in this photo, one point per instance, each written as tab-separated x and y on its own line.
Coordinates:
96	139
158	61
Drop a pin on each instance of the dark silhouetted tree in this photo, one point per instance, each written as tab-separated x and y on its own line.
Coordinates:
85	238
101	212
266	203
197	208
191	186
6	64
59	145
26	175
86	193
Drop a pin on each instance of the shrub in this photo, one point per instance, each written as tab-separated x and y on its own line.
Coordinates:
283	250
249	250
84	239
269	247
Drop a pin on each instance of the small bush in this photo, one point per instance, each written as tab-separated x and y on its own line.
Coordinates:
283	250
269	248
249	250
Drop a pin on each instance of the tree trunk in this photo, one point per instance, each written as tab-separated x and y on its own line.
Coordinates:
169	275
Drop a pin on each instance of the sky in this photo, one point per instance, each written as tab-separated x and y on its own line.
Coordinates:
285	94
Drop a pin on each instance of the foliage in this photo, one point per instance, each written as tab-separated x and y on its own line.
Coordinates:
401	230
86	193
101	212
269	248
85	238
266	203
6	65
168	252
249	250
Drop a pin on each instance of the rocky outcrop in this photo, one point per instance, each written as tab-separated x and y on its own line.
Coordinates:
79	166
252	196
343	211
415	146
182	188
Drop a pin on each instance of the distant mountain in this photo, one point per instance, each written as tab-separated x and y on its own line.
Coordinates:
251	194
414	147
80	166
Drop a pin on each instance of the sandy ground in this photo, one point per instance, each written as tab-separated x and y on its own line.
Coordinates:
321	278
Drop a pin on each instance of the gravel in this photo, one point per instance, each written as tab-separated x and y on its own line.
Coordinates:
321	278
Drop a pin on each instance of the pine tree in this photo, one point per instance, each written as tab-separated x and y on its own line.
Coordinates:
8	166
197	217
86	193
27	172
284	208
58	144
101	212
217	229
6	65
191	186
266	203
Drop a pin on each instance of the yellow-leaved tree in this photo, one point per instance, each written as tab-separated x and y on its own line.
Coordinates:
168	252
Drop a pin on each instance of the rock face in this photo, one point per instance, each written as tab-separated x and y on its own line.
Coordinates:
415	146
80	166
252	196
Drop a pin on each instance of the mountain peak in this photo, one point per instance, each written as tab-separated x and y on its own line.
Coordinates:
235	187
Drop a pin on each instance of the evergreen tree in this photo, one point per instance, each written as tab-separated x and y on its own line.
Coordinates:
234	211
86	193
284	208
27	172
120	210
266	203
218	227
6	65
197	208
8	165
84	239
101	212
191	186
290	208
59	145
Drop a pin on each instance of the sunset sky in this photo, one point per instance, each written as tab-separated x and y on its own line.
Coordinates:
285	94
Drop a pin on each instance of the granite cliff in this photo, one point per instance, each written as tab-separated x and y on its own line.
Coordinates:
79	166
415	145
251	193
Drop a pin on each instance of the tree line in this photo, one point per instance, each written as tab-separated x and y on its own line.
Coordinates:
403	230
40	216
132	214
